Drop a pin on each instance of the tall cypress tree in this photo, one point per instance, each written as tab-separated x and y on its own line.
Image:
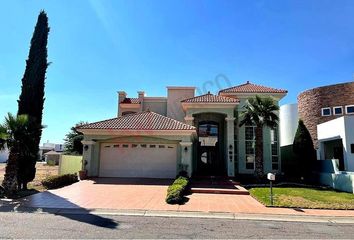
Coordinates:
304	150
32	97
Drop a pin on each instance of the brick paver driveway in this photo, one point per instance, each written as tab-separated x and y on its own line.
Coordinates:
149	194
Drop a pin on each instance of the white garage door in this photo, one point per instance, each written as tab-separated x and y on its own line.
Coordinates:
138	160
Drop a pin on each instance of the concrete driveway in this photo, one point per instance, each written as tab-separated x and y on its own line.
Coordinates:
149	194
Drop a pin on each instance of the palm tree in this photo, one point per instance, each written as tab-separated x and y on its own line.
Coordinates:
259	112
14	132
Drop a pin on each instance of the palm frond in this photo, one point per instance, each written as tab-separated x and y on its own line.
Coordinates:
260	111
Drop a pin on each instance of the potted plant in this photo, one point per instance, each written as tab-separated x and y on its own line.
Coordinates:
83	172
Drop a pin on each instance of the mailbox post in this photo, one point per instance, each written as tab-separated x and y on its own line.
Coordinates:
271	178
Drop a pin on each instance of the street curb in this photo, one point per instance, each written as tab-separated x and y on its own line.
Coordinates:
184	214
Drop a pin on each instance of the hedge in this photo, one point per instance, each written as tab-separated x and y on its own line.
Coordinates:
176	192
53	182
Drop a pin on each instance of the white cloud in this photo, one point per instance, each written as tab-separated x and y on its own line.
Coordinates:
101	13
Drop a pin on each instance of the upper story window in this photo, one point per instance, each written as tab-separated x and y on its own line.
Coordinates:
326	111
338	110
250	143
349	109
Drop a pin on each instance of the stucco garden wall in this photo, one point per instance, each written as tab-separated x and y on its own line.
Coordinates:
69	164
327	174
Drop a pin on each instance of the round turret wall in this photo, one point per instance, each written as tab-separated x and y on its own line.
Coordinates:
311	102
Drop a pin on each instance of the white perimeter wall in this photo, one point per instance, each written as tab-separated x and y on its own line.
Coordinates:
288	122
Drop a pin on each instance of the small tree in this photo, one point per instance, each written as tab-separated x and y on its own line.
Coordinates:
15	134
259	112
304	150
72	141
32	96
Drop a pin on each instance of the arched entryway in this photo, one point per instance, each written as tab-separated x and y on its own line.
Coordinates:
209	145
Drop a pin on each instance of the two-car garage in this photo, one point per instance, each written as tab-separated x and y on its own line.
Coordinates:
146	160
140	145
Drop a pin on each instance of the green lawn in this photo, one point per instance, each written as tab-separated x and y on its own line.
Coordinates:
304	198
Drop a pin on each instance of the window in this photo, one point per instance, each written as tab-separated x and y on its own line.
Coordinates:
152	146
275	149
134	145
208	129
208	133
337	110
161	146
250	142
326	111
116	146
349	109
236	146
125	145
143	145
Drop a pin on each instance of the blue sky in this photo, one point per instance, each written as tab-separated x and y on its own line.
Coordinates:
99	47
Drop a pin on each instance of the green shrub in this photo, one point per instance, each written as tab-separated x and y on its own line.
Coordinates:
176	192
53	182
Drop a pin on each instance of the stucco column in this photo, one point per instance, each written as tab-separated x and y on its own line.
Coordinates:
87	156
230	148
186	157
189	120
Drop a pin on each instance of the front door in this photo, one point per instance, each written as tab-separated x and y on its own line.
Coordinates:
209	162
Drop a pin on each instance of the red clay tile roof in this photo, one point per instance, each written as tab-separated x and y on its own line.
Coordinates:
139	121
210	98
130	100
252	88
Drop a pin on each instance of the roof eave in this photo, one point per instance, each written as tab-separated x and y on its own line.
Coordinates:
132	132
248	94
186	105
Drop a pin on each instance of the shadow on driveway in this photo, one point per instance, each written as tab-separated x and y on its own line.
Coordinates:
67	209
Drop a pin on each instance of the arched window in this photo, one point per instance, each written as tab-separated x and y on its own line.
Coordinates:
208	133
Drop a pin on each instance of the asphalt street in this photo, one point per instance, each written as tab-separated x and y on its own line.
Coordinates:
46	225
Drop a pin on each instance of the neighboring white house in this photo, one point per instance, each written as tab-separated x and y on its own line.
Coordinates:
336	141
47	147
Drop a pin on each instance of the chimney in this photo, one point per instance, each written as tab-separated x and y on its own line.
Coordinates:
121	96
141	95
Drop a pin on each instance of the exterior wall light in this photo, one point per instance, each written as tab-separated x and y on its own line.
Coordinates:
185	149
86	147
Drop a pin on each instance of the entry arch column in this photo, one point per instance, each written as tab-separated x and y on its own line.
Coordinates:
187	157
230	148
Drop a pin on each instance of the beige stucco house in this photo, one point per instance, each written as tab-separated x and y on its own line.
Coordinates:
156	137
